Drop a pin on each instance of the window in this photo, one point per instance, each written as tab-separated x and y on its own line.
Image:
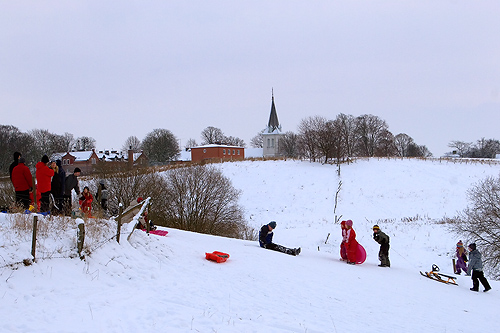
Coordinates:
268	143
234	152
238	151
204	151
272	143
93	161
223	151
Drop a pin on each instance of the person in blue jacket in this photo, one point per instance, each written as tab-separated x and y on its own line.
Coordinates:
476	268
266	240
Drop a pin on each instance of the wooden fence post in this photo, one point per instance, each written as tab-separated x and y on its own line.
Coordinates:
120	212
33	241
81	238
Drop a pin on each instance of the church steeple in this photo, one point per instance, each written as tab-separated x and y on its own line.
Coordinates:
273	123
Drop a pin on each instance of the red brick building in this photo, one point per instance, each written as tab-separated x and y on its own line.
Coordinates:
221	152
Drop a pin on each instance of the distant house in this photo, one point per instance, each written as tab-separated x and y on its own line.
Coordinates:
214	151
87	161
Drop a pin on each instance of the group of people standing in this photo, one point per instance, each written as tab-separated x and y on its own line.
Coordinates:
53	187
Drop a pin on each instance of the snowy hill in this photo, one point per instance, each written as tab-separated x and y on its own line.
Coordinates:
164	284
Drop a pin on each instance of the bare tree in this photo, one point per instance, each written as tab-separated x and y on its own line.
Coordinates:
403	142
160	146
371	133
203	200
308	137
84	143
211	135
133	143
289	144
461	147
347	127
12	140
258	140
233	141
480	221
190	144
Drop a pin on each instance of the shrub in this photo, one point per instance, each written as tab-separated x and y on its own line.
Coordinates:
202	199
480	222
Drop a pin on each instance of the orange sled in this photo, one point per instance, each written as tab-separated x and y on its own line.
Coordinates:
217	256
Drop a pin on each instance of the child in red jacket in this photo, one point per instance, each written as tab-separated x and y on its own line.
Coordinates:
351	243
86	202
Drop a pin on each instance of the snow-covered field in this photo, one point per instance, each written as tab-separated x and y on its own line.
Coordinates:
164	284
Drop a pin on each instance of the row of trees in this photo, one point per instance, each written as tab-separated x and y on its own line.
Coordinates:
36	143
483	148
319	138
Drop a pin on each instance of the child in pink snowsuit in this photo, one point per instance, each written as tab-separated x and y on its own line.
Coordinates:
351	243
462	258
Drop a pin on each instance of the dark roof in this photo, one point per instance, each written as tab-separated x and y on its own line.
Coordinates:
273	118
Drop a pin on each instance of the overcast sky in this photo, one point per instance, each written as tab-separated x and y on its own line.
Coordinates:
112	69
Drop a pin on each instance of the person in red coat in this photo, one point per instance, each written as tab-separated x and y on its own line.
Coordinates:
351	243
23	183
43	179
86	202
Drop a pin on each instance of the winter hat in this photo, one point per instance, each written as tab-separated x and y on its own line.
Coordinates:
45	159
460	244
472	246
348	223
376	227
77	170
139	199
272	224
22	160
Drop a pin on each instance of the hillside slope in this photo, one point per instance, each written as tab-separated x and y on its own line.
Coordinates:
164	284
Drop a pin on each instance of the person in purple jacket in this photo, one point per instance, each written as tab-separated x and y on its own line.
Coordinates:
462	258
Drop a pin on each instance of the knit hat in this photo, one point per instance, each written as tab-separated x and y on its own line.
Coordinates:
472	246
77	170
22	160
45	159
348	223
342	224
272	224
460	244
376	227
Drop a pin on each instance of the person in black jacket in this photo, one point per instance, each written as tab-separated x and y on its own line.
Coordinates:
476	268
71	183
266	240
17	156
381	238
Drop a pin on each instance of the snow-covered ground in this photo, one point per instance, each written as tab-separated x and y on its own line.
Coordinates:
164	284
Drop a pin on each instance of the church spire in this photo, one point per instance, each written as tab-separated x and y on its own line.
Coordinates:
273	123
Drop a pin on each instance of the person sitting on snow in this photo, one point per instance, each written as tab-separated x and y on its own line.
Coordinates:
266	240
381	238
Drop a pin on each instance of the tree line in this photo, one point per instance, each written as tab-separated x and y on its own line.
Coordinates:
322	139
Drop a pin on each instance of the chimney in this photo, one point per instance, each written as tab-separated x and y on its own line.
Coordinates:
130	158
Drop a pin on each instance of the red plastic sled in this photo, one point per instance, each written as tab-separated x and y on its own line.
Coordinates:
157	232
361	255
217	256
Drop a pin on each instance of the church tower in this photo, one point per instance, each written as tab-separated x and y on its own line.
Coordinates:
272	133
